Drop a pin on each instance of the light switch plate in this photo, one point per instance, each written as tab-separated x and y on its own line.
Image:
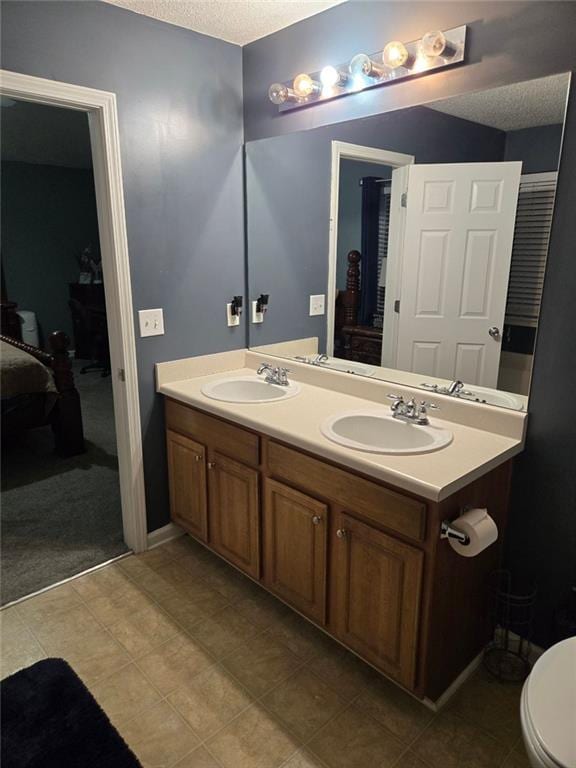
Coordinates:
317	302
231	319
257	317
151	322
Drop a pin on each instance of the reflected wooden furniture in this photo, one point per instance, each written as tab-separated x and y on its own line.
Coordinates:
36	409
361	343
360	559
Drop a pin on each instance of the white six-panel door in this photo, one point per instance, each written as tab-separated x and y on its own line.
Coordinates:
455	266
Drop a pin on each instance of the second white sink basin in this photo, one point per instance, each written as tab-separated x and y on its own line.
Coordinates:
378	432
248	389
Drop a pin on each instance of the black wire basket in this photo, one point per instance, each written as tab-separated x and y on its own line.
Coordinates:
507	657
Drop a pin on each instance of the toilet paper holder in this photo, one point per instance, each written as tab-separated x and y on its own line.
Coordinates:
447	531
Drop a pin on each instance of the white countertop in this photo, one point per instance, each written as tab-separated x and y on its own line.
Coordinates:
472	453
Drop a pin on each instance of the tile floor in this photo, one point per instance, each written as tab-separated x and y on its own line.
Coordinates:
198	667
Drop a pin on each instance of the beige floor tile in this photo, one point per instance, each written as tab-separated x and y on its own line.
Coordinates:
10	623
229	582
517	758
252	740
114	607
261	663
165	579
111	580
199	758
135	567
303	703
159	737
304	759
60	631
450	742
491	705
210	700
175	663
183	545
124	695
49	605
144	630
343	671
156	557
263	609
410	760
19	649
225	631
301	637
95	657
354	740
394	708
190	607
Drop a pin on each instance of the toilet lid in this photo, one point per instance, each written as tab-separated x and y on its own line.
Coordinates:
551	702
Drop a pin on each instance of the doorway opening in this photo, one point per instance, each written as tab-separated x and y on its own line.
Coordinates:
73	487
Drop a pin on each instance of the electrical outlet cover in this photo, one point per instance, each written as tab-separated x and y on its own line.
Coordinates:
151	322
317	302
257	317
232	320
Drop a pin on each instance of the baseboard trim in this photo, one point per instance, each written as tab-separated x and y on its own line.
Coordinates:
456	684
164	534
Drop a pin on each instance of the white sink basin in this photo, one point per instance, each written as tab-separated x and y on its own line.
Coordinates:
248	389
379	432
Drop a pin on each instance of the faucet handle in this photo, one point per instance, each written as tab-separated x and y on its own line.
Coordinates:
432	406
399	398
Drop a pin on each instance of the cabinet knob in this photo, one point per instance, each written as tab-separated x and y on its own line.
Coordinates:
197	457
211	465
316	519
341	533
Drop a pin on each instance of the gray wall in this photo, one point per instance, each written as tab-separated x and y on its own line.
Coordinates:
48	218
538	148
350	210
505	41
180	111
288	203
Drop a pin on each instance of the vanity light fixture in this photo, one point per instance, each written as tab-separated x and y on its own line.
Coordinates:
435	50
395	54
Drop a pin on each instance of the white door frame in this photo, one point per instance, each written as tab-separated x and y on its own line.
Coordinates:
341	150
105	142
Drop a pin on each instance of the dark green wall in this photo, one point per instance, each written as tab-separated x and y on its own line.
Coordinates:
48	217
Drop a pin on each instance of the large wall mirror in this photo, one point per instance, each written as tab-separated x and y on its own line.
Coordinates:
411	246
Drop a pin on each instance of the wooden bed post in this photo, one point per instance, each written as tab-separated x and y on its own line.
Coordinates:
67	417
352	297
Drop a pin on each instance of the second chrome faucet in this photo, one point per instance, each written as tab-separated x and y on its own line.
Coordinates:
411	411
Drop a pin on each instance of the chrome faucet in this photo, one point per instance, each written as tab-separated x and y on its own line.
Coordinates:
454	389
274	375
411	411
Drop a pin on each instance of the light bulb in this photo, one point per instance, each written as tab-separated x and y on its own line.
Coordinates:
304	85
435	44
278	93
395	55
329	77
362	65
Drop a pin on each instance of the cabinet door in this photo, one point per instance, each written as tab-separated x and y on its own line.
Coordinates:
234	514
295	536
376	601
187	478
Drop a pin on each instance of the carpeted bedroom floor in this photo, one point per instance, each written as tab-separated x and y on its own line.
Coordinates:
61	516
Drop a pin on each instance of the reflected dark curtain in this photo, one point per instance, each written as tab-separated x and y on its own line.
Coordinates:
369	263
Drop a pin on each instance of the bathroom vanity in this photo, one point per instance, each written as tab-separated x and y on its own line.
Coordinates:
349	539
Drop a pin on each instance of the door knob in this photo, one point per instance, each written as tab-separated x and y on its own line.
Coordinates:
341	533
316	519
494	332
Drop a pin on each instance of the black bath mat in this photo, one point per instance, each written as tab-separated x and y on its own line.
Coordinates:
51	720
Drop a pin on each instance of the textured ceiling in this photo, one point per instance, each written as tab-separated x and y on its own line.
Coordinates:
237	21
512	107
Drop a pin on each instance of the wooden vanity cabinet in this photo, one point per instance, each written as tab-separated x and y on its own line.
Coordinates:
361	560
376	589
234	512
295	548
187	479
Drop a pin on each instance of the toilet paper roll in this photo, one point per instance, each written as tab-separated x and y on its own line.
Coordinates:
479	527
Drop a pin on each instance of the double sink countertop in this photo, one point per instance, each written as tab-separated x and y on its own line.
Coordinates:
483	436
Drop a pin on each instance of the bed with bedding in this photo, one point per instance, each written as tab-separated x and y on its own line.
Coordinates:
37	389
